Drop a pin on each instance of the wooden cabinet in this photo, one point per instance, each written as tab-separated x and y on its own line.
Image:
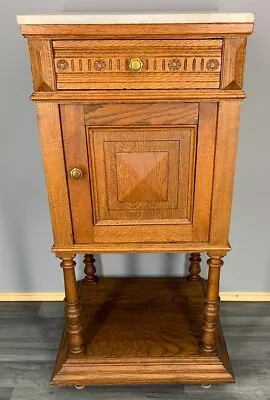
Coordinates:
139	124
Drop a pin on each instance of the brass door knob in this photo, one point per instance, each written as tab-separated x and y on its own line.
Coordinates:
135	64
76	173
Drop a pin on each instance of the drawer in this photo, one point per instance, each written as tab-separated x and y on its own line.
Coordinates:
137	64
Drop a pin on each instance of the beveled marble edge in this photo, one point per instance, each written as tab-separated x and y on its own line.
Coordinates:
135	18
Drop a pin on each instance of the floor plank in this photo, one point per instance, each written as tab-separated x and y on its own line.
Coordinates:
20	310
25	374
5	393
52	309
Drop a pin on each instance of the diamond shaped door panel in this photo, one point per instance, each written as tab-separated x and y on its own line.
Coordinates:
141	182
142	175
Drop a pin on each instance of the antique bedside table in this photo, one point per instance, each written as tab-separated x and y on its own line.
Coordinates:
138	118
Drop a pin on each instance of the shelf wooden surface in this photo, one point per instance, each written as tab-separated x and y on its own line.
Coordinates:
142	330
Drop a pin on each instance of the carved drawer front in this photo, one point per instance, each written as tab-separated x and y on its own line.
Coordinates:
137	64
141	171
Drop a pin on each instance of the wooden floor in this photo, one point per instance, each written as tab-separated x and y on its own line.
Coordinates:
30	335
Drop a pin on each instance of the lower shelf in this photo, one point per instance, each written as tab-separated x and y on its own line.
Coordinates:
142	330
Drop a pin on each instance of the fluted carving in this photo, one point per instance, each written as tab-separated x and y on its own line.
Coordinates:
75	337
211	307
194	267
90	269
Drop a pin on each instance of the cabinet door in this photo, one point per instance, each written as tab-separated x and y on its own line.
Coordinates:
146	171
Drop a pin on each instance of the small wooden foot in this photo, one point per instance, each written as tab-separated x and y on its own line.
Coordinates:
194	268
90	269
211	307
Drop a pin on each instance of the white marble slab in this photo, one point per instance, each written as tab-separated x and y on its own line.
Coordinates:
135	18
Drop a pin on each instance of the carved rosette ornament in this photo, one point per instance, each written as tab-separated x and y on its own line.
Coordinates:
62	64
100	65
174	64
212	64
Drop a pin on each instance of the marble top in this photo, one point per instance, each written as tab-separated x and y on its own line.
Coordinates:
135	18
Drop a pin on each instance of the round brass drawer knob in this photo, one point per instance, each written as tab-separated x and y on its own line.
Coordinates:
135	64
76	173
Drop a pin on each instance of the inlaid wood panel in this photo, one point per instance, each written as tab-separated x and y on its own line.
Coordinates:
142	175
165	64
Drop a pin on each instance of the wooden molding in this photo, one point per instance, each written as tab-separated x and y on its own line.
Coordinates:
136	96
129	31
59	296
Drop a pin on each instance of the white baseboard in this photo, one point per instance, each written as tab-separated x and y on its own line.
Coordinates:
34	296
59	296
245	296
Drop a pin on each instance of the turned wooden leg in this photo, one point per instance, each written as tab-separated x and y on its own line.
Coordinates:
75	337
90	269
211	306
194	267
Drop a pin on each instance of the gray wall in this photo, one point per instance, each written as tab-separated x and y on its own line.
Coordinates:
26	264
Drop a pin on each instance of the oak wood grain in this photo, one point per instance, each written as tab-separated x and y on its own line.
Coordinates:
168	247
127	341
76	157
233	63
126	114
69	47
142	175
54	168
105	183
224	170
204	171
138	96
183	81
42	65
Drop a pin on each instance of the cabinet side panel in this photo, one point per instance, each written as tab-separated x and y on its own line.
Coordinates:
54	167
224	170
